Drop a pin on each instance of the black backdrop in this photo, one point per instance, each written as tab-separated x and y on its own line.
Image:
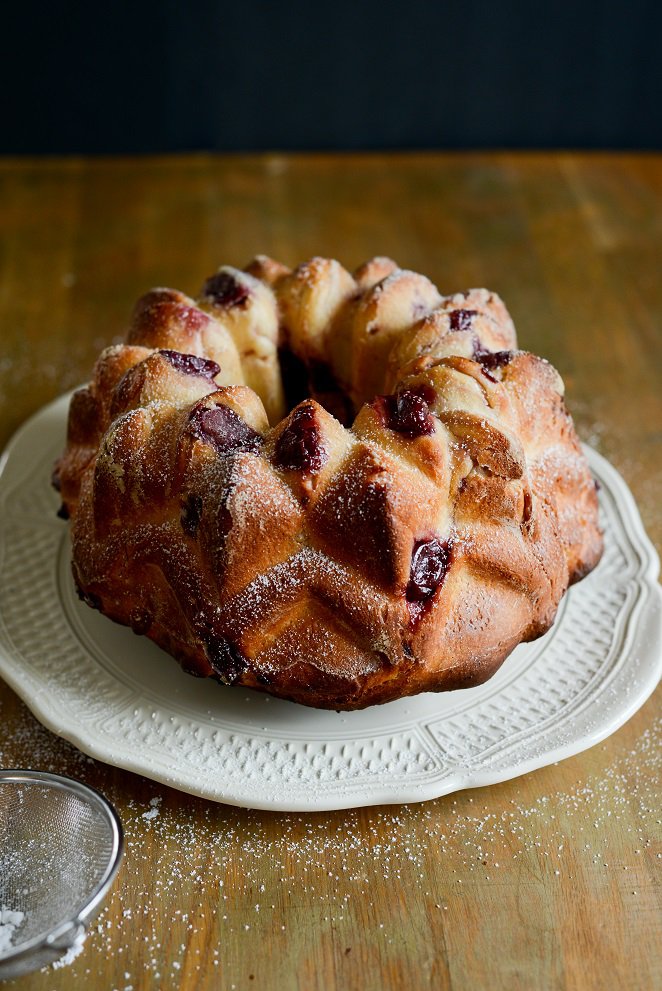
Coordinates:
209	74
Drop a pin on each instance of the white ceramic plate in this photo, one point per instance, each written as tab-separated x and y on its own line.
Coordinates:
120	699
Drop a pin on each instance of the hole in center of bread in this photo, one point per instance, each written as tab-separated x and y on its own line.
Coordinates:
314	380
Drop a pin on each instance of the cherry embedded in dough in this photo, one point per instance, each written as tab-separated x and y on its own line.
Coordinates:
490	360
224	429
462	319
191	364
408	412
226	290
226	659
299	447
429	563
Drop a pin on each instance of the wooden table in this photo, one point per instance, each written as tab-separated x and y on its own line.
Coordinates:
547	881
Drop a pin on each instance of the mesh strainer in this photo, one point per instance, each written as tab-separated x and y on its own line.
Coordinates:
60	848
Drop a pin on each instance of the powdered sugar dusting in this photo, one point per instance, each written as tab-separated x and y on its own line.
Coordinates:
153	810
225	880
10	921
72	953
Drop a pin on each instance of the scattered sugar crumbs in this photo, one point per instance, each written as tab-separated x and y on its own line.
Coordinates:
10	922
254	872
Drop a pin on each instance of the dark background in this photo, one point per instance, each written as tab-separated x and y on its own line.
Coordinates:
209	74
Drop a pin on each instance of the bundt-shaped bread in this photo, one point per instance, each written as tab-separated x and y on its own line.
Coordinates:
338	566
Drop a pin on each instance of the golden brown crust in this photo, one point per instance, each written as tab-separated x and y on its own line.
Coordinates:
333	566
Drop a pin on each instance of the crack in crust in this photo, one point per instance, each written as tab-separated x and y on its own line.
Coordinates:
338	566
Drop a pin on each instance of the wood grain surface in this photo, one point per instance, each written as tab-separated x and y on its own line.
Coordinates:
549	881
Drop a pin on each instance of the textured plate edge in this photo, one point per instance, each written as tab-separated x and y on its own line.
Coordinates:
650	614
629	514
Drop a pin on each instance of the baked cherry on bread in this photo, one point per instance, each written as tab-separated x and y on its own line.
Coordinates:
419	512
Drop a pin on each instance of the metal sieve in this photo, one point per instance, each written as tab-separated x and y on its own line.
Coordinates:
60	848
